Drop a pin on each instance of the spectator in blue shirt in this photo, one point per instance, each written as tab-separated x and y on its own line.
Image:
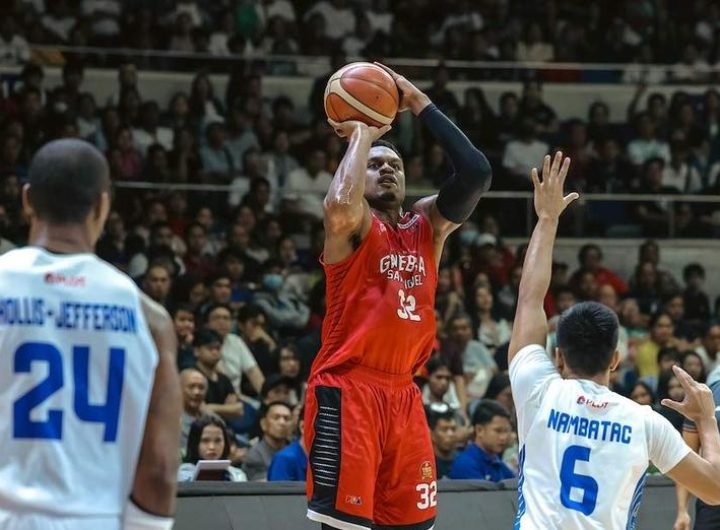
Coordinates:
290	463
482	458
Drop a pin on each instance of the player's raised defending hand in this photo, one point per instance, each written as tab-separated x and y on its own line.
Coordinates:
411	97
549	199
698	404
346	129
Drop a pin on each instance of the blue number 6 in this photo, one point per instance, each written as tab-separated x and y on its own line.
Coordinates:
569	479
107	414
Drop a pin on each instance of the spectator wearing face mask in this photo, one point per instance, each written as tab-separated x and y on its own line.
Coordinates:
284	312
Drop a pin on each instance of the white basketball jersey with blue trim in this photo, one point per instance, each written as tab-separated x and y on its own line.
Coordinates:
77	365
584	449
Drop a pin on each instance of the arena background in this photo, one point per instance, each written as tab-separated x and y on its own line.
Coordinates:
625	88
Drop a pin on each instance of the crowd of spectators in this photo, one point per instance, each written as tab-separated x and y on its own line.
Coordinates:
639	31
239	269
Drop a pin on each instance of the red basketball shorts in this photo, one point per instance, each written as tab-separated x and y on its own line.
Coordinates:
371	463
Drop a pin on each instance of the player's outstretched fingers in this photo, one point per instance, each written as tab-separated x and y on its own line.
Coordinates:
535	178
570	198
564	169
546	168
557	161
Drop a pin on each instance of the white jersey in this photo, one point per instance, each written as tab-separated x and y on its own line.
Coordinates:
584	449
77	365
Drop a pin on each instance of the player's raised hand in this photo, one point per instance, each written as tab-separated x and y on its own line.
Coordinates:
411	97
549	199
698	403
346	129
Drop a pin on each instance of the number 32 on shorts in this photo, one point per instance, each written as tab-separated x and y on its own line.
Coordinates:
428	495
406	311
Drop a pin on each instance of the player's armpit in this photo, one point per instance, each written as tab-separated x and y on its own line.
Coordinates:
699	476
155	481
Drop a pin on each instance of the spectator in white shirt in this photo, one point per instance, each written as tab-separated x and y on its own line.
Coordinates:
190	8
339	17
87	120
127	80
58	22
237	360
268	9
679	174
533	48
354	45
524	152
150	132
14	48
306	186
646	146
104	16
219	39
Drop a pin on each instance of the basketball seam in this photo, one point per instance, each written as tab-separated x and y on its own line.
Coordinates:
395	97
360	106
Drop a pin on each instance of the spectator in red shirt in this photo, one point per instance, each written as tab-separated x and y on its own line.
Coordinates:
590	258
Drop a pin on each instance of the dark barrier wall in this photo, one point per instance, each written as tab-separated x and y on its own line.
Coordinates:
463	505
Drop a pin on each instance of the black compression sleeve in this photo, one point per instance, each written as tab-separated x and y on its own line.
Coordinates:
461	192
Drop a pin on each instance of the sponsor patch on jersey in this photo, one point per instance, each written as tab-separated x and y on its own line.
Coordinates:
355	500
426	470
61	279
599	405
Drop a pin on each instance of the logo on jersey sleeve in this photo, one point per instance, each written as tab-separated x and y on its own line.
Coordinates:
426	470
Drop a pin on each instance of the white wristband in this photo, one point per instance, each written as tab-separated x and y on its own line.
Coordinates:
137	519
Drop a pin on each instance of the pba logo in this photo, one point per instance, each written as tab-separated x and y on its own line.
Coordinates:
355	500
426	470
582	400
61	279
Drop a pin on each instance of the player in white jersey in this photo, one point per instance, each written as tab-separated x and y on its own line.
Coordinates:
584	449
89	396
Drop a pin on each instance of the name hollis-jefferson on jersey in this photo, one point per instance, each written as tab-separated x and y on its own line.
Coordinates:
68	315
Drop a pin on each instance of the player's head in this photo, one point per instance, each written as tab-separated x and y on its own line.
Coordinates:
491	422
208	440
385	183
587	338
194	389
443	426
69	185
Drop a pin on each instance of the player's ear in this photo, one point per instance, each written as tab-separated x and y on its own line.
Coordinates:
559	360
27	206
102	208
615	361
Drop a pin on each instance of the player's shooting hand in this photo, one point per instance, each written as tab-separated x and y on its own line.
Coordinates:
698	404
411	97
549	199
682	521
346	129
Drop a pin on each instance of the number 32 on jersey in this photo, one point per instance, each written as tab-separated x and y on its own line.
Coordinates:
406	311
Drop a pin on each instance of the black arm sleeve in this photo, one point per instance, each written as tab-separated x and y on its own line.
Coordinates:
461	192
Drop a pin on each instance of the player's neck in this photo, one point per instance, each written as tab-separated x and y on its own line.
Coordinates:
61	239
275	443
601	379
391	217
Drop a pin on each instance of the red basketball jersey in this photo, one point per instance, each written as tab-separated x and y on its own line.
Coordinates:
381	299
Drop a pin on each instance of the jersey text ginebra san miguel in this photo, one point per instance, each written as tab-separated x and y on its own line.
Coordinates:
380	300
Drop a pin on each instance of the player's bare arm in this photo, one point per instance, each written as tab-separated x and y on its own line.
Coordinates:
346	212
156	475
530	326
462	191
699	474
682	520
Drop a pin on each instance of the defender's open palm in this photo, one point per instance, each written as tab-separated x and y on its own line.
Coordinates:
549	199
698	403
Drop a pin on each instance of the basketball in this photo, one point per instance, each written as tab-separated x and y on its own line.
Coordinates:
363	92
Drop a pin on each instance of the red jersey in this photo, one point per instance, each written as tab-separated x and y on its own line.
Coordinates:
381	300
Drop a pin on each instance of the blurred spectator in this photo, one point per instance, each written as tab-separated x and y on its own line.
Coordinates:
217	159
523	154
697	303
157	283
492	331
443	434
306	186
661	336
440	387
194	389
290	367
14	48
290	463
237	360
532	106
647	146
284	312
441	95
184	323
692	363
276	425
590	258
482	457
710	347
478	363
149	131
251	328
58	21
338	17
534	48
221	397
208	440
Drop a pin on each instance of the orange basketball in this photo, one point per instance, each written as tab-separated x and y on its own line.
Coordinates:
363	92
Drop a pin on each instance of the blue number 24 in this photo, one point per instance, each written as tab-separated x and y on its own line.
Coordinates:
569	479
107	414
